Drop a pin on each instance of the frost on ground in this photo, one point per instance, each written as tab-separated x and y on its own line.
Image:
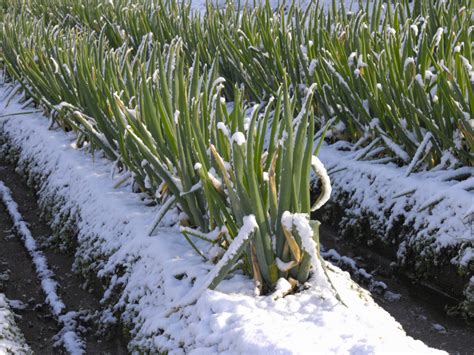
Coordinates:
426	215
434	204
11	338
146	276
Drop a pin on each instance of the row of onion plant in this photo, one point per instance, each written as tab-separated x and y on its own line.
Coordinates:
240	173
389	72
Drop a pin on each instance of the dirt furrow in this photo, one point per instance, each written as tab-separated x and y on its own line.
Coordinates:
420	312
19	281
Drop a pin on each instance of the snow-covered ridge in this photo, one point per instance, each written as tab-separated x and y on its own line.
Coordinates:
144	275
68	336
11	338
428	216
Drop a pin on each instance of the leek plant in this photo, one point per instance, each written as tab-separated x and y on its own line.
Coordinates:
168	94
387	71
148	138
170	125
261	166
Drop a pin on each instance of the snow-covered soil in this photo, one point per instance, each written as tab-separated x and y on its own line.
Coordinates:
145	277
11	338
426	218
68	335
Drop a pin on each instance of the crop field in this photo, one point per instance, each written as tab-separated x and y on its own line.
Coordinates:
238	125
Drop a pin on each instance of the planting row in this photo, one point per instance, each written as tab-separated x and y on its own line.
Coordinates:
148	84
144	278
235	176
390	72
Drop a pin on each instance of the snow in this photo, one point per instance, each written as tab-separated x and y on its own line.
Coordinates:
391	31
238	138
301	222
39	260
392	297
439	328
176	117
12	340
312	66
71	341
395	148
249	226
326	188
282	266
430	205
466	63
421	149
467	257
157	273
408	62
283	287
222	127
287	220
438	35
360	274
17	304
419	80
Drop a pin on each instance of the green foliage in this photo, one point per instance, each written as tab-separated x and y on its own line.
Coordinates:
408	67
168	93
169	124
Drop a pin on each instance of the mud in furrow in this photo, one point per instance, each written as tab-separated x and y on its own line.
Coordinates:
37	323
19	283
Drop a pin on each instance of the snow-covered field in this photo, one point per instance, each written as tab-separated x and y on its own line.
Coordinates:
427	216
146	277
435	204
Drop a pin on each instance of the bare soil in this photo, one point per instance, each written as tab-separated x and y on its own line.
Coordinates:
21	283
